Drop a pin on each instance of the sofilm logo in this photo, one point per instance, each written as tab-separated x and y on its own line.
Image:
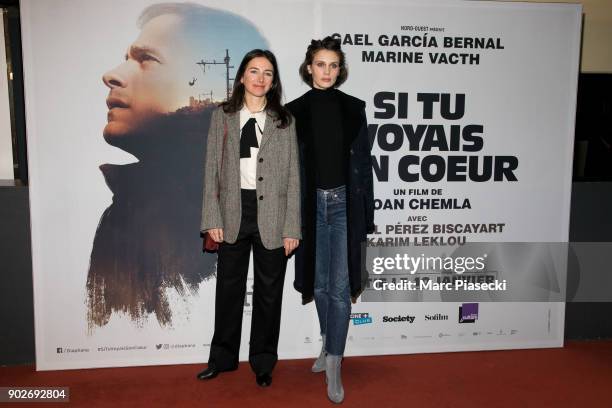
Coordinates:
436	317
360	318
398	319
468	312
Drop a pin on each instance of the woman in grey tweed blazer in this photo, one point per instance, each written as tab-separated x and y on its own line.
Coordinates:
251	201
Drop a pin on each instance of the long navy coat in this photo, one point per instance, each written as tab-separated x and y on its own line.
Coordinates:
360	195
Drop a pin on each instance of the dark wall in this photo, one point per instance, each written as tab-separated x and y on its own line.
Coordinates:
590	221
15	88
593	145
16	298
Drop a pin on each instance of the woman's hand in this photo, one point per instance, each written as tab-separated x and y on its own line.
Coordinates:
290	244
216	234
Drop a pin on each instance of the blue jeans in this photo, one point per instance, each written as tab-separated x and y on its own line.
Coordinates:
332	287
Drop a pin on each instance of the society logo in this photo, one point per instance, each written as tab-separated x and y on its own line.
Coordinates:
398	319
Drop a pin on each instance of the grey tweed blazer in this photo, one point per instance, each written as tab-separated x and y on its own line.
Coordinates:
278	183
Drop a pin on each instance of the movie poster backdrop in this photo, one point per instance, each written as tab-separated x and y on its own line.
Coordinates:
470	108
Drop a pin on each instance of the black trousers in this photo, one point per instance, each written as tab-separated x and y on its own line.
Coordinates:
269	275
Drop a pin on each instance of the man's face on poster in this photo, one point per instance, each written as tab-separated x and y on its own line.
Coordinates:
145	85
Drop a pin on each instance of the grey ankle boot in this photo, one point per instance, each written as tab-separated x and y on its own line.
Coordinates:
335	392
319	364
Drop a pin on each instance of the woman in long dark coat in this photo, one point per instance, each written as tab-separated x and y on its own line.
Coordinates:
337	200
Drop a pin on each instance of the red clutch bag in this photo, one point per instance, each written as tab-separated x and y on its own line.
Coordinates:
210	244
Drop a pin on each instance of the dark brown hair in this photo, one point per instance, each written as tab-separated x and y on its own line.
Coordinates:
328	43
273	97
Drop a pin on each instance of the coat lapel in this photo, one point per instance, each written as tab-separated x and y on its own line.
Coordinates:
351	119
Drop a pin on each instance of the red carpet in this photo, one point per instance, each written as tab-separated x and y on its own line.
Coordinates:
579	375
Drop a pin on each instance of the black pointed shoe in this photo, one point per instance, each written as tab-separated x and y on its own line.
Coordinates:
208	374
264	380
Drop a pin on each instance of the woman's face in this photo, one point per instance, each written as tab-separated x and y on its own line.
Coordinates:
324	69
257	77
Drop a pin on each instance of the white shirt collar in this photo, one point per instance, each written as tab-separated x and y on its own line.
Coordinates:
260	117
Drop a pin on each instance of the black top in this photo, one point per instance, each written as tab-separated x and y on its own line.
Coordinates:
359	188
328	139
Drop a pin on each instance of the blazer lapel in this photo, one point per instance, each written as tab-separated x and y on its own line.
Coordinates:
268	130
